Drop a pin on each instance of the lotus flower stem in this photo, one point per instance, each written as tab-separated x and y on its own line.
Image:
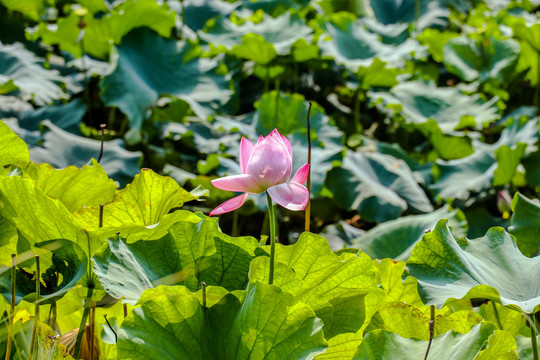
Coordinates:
82	326
534	344
496	312
36	315
272	217
102	126
431	329
308	183
12	309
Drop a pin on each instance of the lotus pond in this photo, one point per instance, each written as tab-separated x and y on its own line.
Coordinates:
270	179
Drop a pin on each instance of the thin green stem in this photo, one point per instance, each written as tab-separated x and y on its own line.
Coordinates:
36	314
357	118
496	312
82	326
431	329
272	217
183	9
534	344
12	309
308	184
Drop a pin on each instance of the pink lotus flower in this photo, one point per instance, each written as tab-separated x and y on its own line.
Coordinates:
266	166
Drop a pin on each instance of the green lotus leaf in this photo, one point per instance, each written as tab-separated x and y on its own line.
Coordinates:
334	286
74	187
481	60
8	241
409	321
177	326
506	319
25	70
144	202
350	44
39	218
164	67
525	224
32	9
489	164
62	149
275	7
190	253
341	346
67	117
417	102
100	33
255	48
378	186
396	238
280	32
69	265
200	11
435	40
529	42
314	262
47	343
381	344
490	267
430	13
13	149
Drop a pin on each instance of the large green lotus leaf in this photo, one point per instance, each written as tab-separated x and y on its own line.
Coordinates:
529	41
341	346
149	66
280	32
74	187
380	187
279	327
190	253
13	150
269	323
31	8
417	102
396	238
431	13
525	224
341	314
489	164
25	69
8	241
69	264
435	40
100	33
381	345
481	59
39	218
198	12
409	321
505	318
350	44
61	149
145	201
314	262
490	267
67	117
255	48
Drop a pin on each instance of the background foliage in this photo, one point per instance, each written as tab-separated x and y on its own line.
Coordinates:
421	111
